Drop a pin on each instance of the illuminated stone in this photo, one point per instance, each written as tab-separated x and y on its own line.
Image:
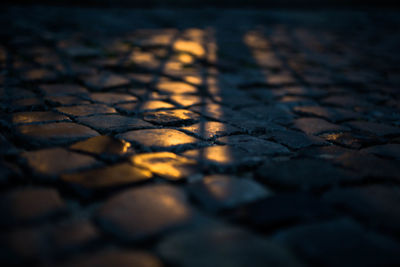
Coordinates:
176	87
37	116
158	138
172	117
166	164
54	161
187	100
144	212
144	106
107	177
190	47
102	145
210	129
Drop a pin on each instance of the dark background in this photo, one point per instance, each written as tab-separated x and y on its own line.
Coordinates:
211	3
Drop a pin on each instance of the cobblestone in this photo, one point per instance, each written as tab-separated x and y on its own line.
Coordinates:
139	137
160	208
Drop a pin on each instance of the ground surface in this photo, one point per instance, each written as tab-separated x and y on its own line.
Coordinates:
199	138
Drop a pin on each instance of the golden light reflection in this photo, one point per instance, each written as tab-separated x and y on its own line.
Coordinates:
218	154
193	79
165	164
176	87
102	144
186	59
190	47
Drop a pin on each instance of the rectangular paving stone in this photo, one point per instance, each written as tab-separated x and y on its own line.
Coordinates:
30	205
166	164
253	145
63	89
55	133
37	116
55	161
315	126
85	110
158	138
114	123
375	128
90	182
112	98
210	129
161	208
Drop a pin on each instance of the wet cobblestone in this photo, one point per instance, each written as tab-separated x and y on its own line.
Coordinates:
199	137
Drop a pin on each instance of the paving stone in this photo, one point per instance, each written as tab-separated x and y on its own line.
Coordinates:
375	128
282	210
368	165
114	123
37	116
85	110
47	161
170	87
215	111
88	182
331	114
29	205
112	98
387	150
36	75
303	174
139	107
293	139
160	208
352	140
63	89
253	145
65	100
55	133
376	204
187	100
223	156
346	101
219	192
275	114
122	258
210	129
102	145
166	164
106	80
341	242
158	138
172	117
50	241
316	126
223	246
26	104
81	51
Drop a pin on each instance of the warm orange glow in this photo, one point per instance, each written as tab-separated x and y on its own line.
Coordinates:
190	47
165	164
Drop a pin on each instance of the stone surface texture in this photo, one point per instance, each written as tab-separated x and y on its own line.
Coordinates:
199	137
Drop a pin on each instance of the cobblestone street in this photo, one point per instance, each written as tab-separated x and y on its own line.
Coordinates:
199	138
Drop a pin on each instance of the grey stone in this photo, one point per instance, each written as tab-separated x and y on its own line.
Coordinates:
145	212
